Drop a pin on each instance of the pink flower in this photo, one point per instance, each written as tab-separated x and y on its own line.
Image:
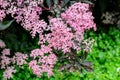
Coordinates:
79	17
61	36
2	44
37	70
63	33
45	49
7	74
5	61
19	2
2	14
40	1
27	15
38	27
6	51
36	52
4	4
19	59
51	59
32	63
44	63
50	73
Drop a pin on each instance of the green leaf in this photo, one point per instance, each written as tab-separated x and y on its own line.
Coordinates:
103	5
5	24
65	2
48	3
89	2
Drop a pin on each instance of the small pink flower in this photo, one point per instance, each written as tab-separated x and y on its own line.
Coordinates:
2	44
32	63
2	14
7	74
19	2
19	58
5	61
5	51
36	52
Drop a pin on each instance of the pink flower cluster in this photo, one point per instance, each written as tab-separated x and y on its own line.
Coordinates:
6	62
44	63
61	36
79	17
27	15
63	33
19	59
67	32
8	73
40	52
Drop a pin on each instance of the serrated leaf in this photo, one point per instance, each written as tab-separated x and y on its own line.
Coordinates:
5	24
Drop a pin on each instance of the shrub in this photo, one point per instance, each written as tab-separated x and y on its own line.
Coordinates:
60	31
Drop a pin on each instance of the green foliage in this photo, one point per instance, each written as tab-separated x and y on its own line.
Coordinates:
65	2
5	24
105	57
48	3
17	41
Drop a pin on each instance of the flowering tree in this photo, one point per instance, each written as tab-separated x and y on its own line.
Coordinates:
61	30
